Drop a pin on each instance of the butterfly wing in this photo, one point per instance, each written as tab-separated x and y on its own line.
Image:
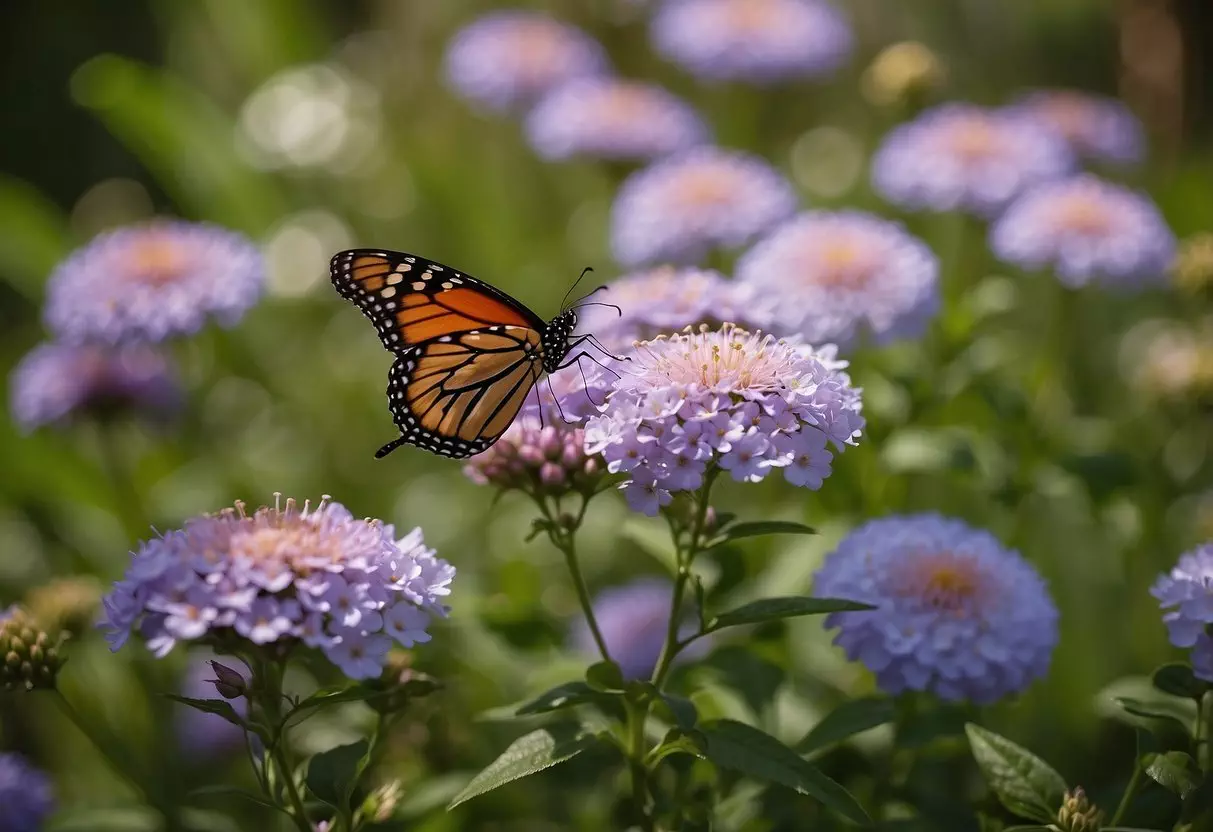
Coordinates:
411	300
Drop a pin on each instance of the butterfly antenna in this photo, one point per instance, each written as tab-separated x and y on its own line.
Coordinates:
584	272
618	311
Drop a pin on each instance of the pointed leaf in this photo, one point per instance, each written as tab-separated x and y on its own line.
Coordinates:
742	748
1179	680
332	775
358	692
1198	805
675	742
739	531
683	711
562	696
527	755
1025	784
605	677
222	790
1151	710
218	707
1174	771
846	720
773	609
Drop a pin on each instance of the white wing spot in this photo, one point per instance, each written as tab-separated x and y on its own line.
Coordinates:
446	284
418	285
389	292
394	278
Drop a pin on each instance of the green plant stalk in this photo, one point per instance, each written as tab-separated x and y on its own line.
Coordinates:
1203	721
268	687
636	717
1127	797
565	540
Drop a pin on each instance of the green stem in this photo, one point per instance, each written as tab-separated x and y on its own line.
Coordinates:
564	539
128	504
267	681
636	717
1202	734
287	773
1130	790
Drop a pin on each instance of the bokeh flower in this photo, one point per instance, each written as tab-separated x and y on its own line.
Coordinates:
201	733
963	157
26	798
1193	266
1170	361
759	41
66	605
839	275
958	614
902	73
57	382
738	401
1096	127
633	619
680	208
667	299
1186	597
317	575
1086	229
506	60
606	118
152	281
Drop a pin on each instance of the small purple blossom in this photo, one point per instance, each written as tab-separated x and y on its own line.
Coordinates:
964	157
958	614
743	402
1097	127
1086	230
506	60
26	797
838	276
318	574
680	208
606	118
153	281
56	382
206	734
1186	597
759	41
547	460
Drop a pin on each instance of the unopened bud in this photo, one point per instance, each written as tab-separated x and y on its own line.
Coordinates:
31	655
380	804
1078	814
228	682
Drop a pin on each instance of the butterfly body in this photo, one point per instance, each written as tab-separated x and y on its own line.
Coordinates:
467	354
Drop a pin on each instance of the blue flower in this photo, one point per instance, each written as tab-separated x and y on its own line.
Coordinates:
1086	230
958	614
55	382
1186	597
759	41
682	207
507	60
1096	127
967	158
318	575
836	276
26	799
606	118
151	282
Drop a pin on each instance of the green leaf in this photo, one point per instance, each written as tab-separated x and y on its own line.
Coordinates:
527	755
563	696
360	692
848	719
1198	805
1151	710
739	747
1178	680
740	531
222	790
605	677
682	711
333	775
791	606
102	819
218	707
676	742
1025	784
1175	771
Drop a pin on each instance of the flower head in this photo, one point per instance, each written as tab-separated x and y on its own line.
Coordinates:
56	382
666	299
633	619
759	41
1095	126
680	208
745	403
29	656
962	157
201	733
836	275
1186	597
538	460
26	799
506	60
1086	230
153	281
317	575
958	614
606	118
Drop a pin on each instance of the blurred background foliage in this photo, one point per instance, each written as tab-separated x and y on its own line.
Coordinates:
314	126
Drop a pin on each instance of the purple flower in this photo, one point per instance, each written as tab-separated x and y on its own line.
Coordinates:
1086	230
606	118
26	799
549	460
633	619
963	157
958	614
1096	127
55	382
759	41
1186	597
206	734
666	300
153	281
506	60
837	276
743	402
680	208
318	574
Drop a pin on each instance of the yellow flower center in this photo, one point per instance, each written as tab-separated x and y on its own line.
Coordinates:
752	16
972	138
704	186
1084	213
157	260
945	581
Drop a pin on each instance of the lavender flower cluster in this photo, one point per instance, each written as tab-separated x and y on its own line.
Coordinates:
318	575
744	402
1186	597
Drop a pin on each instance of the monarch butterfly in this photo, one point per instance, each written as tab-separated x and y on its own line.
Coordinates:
467	354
